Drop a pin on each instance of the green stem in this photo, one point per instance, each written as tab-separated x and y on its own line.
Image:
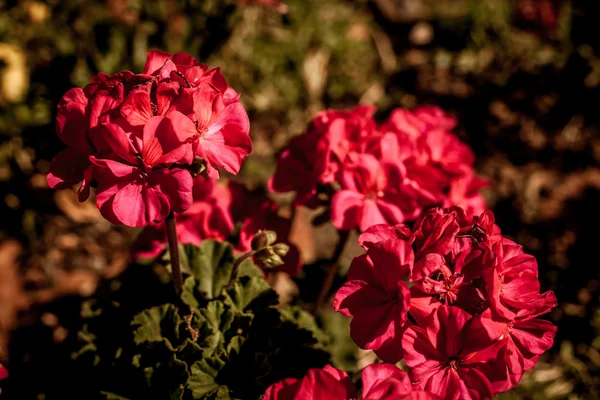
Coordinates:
236	267
171	227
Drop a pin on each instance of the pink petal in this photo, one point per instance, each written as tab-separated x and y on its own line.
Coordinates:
155	61
356	295
427	265
166	93
117	168
370	215
214	77
286	389
422	305
346	207
136	108
234	117
381	232
84	189
161	144
226	142
372	326
393	258
418	349
67	168
119	142
320	385
445	329
534	335
476	384
383	381
72	122
185	129
137	205
176	185
343	378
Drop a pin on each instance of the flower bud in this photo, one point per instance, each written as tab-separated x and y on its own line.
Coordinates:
268	258
281	249
263	239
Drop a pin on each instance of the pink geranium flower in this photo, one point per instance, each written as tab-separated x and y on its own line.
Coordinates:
523	340
470	327
378	298
514	286
137	136
447	355
319	384
370	194
372	174
138	188
217	117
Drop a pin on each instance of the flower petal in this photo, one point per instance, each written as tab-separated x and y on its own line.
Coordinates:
67	168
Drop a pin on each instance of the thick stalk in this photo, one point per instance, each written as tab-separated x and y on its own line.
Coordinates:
171	226
333	266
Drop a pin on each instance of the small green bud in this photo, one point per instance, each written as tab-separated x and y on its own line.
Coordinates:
281	249
263	239
267	258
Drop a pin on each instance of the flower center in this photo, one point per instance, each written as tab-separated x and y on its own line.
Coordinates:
392	297
453	363
475	233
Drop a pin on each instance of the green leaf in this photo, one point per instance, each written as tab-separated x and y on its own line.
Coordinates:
164	373
188	294
202	378
222	393
157	324
218	318
210	265
248	268
342	347
303	320
251	292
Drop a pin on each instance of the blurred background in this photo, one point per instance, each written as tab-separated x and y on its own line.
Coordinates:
522	77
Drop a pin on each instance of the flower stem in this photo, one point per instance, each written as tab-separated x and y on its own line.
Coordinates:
331	272
236	267
171	227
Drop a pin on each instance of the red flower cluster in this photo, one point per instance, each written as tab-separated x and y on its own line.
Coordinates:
379	382
467	326
387	173
136	136
222	212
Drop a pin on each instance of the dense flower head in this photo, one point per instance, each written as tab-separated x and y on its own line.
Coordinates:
384	173
136	136
222	211
379	382
454	298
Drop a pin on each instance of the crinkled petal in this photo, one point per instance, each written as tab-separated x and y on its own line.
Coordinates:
176	185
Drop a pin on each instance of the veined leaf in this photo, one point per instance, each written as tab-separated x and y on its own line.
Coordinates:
157	324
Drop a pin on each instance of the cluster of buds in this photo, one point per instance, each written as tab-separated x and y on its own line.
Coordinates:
267	253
